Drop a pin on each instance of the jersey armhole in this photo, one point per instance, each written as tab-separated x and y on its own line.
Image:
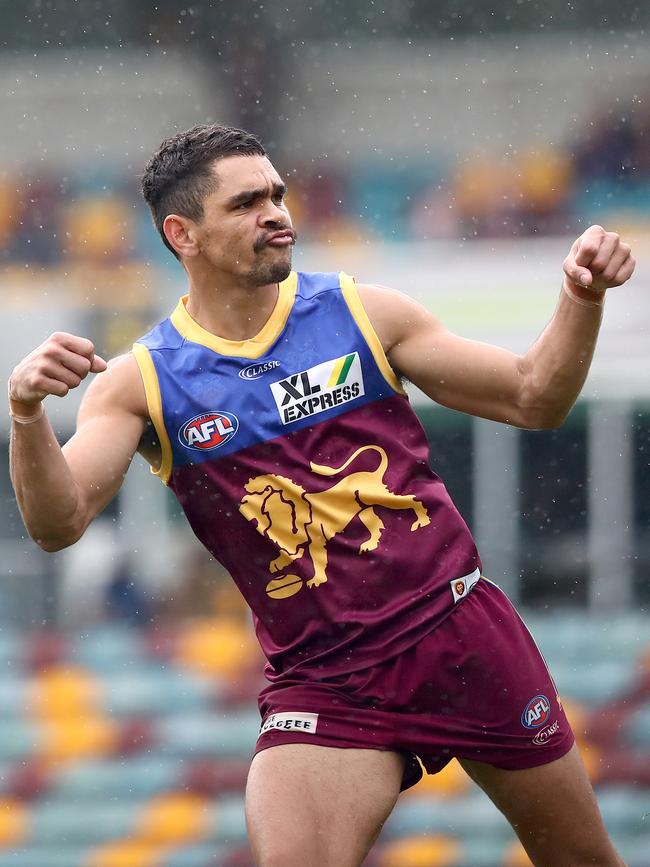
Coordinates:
154	405
351	295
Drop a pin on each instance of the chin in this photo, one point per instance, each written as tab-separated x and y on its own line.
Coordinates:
271	272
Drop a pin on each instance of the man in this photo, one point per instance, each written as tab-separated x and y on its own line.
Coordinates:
281	425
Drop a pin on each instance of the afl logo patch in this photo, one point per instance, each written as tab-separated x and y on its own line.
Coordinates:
536	713
208	430
255	371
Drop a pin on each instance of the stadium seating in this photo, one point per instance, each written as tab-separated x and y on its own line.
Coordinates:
124	748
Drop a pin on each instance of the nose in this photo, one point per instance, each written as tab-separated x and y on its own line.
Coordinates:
274	215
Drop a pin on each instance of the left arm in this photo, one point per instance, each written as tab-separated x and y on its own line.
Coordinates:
535	390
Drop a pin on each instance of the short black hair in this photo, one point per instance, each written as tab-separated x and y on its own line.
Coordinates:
178	176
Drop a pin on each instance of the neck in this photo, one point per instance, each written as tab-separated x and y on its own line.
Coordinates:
230	310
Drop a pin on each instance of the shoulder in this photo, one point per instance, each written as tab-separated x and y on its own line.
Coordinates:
392	314
119	389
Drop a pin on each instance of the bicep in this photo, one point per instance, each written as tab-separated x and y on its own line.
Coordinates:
462	374
465	375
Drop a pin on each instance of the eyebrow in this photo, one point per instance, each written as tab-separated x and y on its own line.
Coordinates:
259	193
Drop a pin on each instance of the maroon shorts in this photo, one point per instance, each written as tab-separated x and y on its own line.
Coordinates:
475	688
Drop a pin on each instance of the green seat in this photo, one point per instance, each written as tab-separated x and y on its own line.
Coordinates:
45	856
13	696
625	809
226	822
61	824
126	778
145	690
108	647
200	855
208	734
636	729
19	739
461	817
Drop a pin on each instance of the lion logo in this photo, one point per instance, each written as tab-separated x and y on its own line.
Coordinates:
299	522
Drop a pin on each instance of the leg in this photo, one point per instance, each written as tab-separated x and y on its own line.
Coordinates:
374	525
553	810
318	554
314	806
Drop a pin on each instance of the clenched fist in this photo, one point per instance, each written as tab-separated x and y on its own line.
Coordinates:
56	366
597	261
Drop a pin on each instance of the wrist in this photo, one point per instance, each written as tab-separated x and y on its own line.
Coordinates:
22	412
583	295
25	413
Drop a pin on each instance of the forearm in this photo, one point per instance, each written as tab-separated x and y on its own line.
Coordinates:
557	364
47	495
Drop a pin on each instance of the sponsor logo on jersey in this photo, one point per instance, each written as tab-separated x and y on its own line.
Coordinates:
290	722
546	734
322	387
208	430
255	371
536	713
460	587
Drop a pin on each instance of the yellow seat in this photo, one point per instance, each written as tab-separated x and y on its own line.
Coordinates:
449	782
421	851
217	647
14	822
173	818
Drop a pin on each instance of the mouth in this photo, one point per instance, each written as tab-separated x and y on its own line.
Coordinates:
283	238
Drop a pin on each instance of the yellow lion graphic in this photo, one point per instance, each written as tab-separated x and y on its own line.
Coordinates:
297	521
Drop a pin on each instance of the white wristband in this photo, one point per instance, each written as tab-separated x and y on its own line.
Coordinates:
584	302
28	419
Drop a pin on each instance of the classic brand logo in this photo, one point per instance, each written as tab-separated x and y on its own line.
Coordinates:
301	722
300	523
208	430
322	387
255	371
546	734
536	712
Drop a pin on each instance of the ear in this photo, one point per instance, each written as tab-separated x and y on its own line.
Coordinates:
179	231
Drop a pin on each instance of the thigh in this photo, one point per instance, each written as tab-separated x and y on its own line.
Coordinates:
315	805
553	810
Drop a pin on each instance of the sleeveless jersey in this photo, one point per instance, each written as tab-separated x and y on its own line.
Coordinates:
302	468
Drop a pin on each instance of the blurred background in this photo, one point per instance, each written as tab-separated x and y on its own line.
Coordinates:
452	150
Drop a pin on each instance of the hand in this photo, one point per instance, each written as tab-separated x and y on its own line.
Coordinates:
56	366
598	260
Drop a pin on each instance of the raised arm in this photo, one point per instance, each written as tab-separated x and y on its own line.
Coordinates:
535	390
59	491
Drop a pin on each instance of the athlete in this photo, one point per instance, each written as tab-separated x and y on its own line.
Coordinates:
272	404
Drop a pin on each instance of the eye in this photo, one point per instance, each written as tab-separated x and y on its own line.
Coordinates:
244	205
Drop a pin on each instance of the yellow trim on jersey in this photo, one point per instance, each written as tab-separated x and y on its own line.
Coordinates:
351	295
154	404
254	347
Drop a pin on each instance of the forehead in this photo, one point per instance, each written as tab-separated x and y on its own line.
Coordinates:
238	173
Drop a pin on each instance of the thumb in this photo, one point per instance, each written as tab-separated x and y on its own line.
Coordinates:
98	364
578	274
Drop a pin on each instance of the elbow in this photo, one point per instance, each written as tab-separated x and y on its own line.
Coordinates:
543	417
547	422
51	546
51	542
541	408
537	412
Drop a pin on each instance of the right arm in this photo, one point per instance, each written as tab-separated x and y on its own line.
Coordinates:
60	490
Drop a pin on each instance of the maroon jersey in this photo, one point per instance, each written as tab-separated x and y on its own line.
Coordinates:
303	469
